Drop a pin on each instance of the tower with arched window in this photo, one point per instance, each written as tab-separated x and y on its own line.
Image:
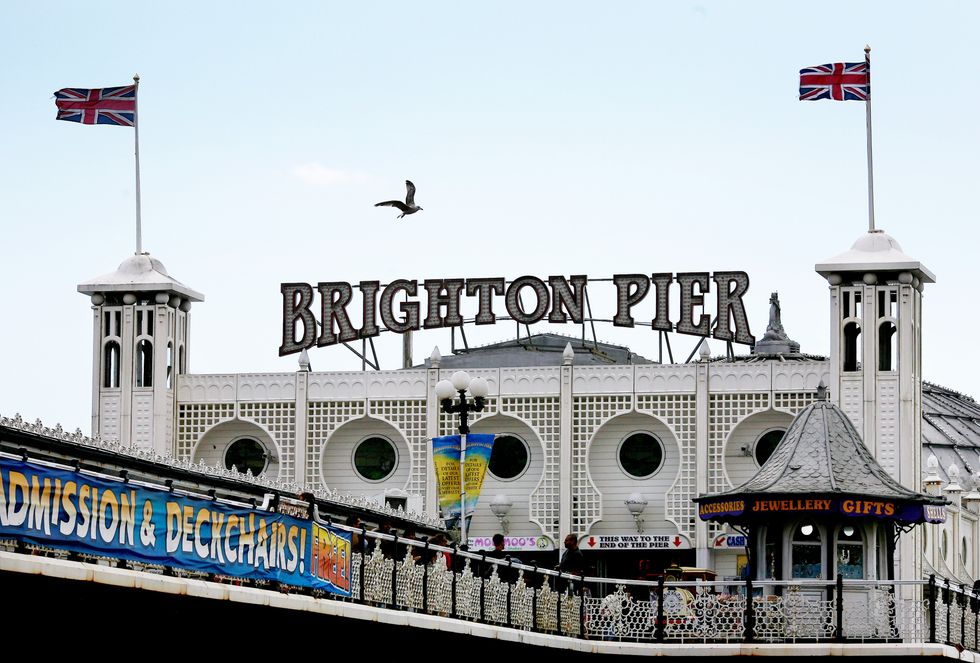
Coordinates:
876	354
140	344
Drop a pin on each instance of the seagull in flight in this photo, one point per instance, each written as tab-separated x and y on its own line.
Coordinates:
407	207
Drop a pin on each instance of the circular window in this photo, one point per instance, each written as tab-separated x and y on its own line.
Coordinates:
766	444
375	458
509	457
246	454
640	455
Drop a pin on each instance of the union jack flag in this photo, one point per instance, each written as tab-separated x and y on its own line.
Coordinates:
840	81
108	105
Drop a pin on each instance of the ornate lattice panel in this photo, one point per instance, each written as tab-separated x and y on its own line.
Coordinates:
280	420
542	415
852	400
588	414
194	419
793	401
678	411
725	411
887	424
322	419
448	423
408	416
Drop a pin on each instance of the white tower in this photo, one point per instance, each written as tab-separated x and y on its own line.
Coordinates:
140	345
876	355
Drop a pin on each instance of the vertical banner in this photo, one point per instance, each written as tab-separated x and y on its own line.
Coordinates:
64	509
445	458
478	450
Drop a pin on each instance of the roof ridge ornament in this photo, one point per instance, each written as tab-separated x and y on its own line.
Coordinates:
775	341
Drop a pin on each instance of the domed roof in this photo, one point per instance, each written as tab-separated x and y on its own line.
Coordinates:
139	273
875	251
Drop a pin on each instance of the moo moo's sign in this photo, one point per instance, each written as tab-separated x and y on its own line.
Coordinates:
322	315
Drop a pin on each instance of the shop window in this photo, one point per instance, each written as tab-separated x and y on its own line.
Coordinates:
246	454
144	363
807	551
640	455
375	458
766	444
509	458
850	552
110	365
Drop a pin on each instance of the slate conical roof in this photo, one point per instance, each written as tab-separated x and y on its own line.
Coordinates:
822	453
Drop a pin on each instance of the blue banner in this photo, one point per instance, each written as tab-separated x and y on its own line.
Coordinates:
69	510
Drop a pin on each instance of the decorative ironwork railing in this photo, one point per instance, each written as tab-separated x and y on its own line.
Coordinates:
461	584
406	574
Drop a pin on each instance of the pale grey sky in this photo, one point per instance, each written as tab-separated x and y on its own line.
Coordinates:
544	138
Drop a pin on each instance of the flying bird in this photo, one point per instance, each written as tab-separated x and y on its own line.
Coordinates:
407	207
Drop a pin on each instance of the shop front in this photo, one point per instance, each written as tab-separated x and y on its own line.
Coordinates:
821	507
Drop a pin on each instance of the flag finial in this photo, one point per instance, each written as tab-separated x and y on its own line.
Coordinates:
867	49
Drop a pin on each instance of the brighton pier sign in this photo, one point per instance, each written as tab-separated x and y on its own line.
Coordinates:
557	299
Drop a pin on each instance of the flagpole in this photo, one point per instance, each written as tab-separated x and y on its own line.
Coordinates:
871	181
136	127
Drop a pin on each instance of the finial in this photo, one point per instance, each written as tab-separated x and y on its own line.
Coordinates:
822	392
568	355
304	361
932	481
435	359
867	49
136	77
954	479
704	351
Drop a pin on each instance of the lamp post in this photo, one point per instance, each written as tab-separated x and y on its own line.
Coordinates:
459	383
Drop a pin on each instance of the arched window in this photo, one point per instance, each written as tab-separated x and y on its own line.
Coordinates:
850	552
170	365
144	363
110	365
887	346
181	362
852	346
807	551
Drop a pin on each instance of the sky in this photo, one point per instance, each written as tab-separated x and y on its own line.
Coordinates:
544	138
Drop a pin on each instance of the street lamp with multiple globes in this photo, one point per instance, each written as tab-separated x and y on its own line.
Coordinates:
478	388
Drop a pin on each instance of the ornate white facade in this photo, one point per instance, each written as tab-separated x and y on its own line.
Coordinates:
708	415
